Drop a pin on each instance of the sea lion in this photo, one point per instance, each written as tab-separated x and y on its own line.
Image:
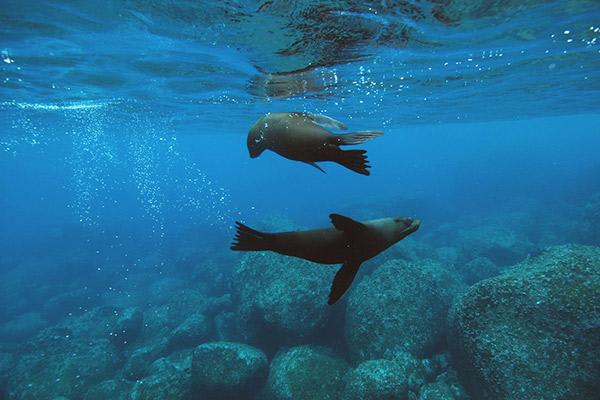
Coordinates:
302	137
349	242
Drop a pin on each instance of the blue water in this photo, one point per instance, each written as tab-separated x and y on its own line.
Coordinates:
123	137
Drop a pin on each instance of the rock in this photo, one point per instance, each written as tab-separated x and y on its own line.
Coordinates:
190	333
436	391
7	363
74	302
22	327
226	370
127	327
533	332
137	363
57	363
414	370
280	299
478	269
375	380
400	307
114	389
308	373
168	378
226	327
501	243
591	221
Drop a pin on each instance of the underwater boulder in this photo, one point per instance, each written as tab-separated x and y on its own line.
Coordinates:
376	380
68	303
113	389
478	269
58	363
138	361
306	372
417	372
499	242
194	330
227	370
280	299
590	225
22	327
533	332
127	326
168	378
436	391
400	307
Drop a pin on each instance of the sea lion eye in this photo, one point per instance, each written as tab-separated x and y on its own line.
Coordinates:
397	220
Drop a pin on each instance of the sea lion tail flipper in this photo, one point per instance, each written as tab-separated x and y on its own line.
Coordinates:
357	137
248	239
342	280
356	160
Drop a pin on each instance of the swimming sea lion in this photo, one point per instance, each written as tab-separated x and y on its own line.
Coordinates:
303	137
350	242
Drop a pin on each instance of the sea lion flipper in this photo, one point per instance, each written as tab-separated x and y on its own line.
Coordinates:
346	224
342	280
314	164
325	121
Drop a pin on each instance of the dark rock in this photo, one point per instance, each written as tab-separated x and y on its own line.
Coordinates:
375	380
414	370
56	363
137	363
400	307
533	332
227	370
22	327
113	389
478	269
190	333
168	378
436	391
74	302
127	326
308	373
280	299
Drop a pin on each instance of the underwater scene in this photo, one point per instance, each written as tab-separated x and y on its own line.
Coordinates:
300	200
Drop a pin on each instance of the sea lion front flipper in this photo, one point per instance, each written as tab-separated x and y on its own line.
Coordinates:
325	121
314	164
342	280
347	225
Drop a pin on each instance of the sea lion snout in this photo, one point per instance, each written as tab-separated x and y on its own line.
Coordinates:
256	143
408	225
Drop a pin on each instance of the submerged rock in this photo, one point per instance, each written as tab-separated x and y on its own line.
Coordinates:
280	299
436	391
478	269
21	327
191	332
168	378
58	363
227	370
400	307
533	332
127	326
376	380
140	359
308	373
113	389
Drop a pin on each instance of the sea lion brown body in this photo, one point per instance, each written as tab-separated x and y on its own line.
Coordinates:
303	137
348	242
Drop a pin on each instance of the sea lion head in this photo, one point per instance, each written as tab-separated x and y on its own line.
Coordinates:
401	227
256	139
